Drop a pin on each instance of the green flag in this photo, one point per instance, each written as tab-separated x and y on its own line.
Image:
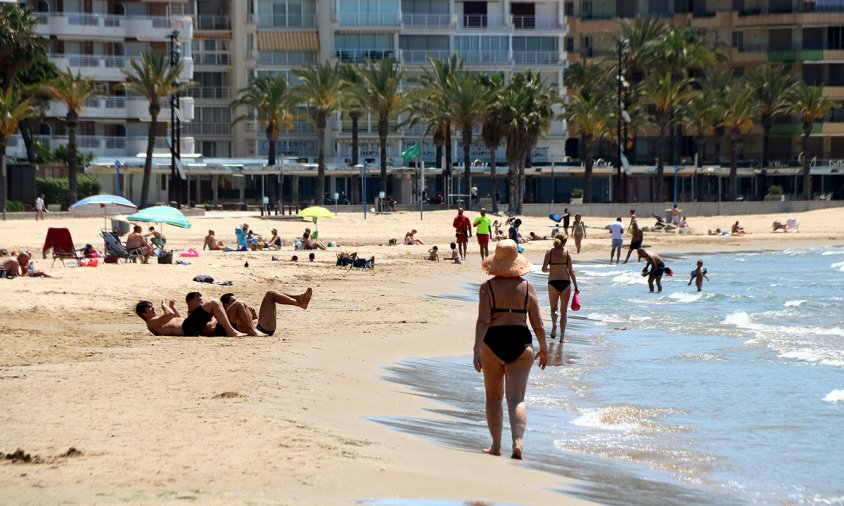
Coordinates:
411	152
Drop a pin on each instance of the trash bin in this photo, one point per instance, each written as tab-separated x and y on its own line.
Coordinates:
120	227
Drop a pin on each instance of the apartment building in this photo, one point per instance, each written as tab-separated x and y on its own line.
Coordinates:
806	35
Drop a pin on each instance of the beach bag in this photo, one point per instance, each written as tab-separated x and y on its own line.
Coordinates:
575	302
165	257
111	260
363	263
203	278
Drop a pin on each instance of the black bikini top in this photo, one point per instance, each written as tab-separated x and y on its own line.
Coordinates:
558	263
506	309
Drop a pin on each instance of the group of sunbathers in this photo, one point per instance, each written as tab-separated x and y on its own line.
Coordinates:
226	316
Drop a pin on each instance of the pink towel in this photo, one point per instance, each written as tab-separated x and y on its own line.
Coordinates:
575	302
190	253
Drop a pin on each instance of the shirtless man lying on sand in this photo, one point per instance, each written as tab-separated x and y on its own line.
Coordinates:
201	317
263	322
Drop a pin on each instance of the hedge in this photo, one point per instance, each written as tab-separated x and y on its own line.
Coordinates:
56	190
14	206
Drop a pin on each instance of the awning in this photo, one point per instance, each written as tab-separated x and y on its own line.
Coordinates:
288	41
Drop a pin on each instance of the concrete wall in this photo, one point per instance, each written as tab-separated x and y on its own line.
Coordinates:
689	209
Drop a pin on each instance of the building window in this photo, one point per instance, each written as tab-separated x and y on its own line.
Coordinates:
286	13
211	51
369	13
359	47
286	57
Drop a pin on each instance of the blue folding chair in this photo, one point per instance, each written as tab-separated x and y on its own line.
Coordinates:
241	240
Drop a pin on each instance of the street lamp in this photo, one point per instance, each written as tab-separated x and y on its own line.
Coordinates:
175	125
623	117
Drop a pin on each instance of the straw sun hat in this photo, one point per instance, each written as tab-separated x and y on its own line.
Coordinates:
506	262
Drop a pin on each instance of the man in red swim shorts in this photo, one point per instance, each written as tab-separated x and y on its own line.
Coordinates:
463	231
483	230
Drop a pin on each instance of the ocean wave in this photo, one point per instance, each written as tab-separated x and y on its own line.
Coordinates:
686	296
597	274
605	318
839	266
702	357
793	303
834	397
626	418
833	252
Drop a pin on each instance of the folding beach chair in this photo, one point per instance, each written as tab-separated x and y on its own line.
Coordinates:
242	244
115	248
791	225
61	243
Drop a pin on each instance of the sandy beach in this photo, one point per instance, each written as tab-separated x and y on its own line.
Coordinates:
270	420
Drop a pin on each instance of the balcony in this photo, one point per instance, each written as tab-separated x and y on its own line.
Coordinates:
475	21
212	59
288	21
536	23
102	145
102	26
123	108
485	57
210	92
286	58
428	21
362	55
537	58
106	67
367	20
422	56
205	128
213	23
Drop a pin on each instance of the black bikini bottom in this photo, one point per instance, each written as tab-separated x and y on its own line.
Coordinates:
508	342
559	284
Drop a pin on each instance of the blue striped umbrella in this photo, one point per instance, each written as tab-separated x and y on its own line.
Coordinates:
105	205
161	214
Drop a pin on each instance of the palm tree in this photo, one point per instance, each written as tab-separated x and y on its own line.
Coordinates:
321	88
268	100
770	84
666	92
467	99
527	111
703	114
152	77
14	107
738	117
594	119
352	85
588	78
380	91
73	91
493	128
812	105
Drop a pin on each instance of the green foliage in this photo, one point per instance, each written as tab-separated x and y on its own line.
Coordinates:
42	151
577	193
82	159
14	206
775	189
57	189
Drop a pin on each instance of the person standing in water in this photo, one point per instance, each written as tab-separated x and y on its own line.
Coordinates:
561	278
698	275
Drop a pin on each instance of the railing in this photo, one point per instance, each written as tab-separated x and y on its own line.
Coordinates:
427	20
286	57
485	57
203	128
105	20
211	58
484	21
213	22
287	21
351	19
536	23
824	6
361	55
536	57
210	92
422	56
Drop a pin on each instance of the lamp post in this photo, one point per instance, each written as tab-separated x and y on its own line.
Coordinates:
622	119
175	124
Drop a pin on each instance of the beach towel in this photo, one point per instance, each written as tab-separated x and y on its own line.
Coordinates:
575	302
203	278
189	253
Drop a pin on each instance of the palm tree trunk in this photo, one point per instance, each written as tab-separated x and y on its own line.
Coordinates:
762	177
660	163
382	136
512	182
148	162
320	189
448	165
25	127
3	178
701	148
355	115
807	161
522	178
73	187
492	187
467	163
734	138
272	158
589	148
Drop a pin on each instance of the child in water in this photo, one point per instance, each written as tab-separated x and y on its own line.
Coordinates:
698	275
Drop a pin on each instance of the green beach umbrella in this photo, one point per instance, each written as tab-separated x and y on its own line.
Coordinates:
161	214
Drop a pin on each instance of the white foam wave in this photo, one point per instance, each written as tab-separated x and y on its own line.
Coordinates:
685	296
834	252
624	418
598	274
839	266
629	278
604	318
794	303
834	397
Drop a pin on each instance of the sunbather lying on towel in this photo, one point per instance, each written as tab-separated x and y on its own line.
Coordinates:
263	322
204	314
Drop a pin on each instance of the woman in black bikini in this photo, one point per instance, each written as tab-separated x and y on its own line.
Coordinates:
503	344
561	277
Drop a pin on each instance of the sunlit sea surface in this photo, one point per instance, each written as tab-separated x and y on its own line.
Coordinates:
730	396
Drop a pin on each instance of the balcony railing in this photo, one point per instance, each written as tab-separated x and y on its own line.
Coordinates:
211	58
361	55
213	23
485	57
106	20
422	56
210	92
536	58
204	128
427	20
367	19
287	21
823	6
286	57
536	22
484	21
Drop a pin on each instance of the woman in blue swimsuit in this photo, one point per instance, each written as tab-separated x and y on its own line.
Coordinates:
561	278
503	348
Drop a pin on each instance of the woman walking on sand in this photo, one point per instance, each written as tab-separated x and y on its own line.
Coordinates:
578	230
503	348
561	278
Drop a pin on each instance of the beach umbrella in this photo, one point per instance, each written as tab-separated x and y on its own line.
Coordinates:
105	205
161	214
315	212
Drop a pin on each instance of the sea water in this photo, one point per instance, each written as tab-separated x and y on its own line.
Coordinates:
734	395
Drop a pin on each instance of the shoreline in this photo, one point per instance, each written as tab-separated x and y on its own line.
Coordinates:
265	420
